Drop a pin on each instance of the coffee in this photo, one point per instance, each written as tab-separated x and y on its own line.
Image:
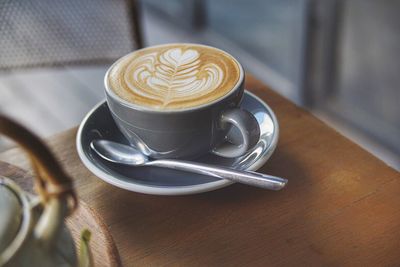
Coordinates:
174	76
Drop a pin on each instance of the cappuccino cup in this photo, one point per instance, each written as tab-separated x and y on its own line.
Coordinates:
181	101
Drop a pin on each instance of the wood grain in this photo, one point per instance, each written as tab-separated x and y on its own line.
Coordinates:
341	206
102	247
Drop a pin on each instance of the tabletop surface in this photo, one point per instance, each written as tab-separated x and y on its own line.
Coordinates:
340	208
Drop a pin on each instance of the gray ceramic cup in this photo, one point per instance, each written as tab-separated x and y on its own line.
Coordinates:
190	132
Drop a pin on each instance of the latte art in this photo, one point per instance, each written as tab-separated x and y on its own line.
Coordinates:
177	75
174	76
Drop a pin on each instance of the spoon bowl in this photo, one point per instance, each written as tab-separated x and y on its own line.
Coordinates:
118	153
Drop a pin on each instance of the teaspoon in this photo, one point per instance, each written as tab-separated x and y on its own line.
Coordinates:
127	155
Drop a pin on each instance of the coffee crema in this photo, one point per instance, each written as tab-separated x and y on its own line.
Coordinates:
175	76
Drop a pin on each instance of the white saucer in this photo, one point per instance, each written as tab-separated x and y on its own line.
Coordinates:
98	123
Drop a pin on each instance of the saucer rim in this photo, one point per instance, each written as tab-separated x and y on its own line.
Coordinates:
171	190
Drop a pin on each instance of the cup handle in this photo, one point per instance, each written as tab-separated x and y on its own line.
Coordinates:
248	127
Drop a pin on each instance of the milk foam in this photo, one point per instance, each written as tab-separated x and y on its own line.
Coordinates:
174	76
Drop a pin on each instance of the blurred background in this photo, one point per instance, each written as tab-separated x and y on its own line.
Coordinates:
338	59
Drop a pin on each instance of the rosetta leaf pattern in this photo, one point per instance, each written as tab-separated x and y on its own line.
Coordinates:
173	75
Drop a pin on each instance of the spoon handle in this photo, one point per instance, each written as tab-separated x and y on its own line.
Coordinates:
244	177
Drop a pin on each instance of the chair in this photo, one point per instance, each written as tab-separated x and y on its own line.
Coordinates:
57	32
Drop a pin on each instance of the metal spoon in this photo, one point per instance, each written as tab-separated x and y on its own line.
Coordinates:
127	155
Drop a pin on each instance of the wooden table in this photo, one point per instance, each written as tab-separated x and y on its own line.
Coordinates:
341	206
